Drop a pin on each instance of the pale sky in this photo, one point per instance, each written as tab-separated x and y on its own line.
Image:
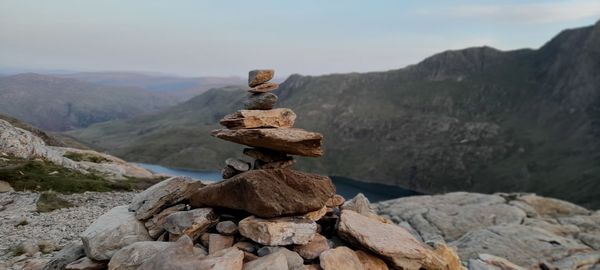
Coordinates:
227	37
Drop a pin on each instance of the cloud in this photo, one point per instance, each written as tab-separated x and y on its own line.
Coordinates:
535	13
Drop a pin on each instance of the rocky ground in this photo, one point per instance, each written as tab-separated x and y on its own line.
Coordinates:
21	223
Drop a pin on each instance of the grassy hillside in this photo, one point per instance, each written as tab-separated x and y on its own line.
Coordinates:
477	119
59	104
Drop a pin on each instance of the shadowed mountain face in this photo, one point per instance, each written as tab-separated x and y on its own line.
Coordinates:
477	119
59	104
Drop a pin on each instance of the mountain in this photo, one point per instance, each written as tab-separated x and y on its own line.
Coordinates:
58	104
477	119
181	88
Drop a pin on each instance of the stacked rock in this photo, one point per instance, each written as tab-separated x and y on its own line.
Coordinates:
267	217
267	129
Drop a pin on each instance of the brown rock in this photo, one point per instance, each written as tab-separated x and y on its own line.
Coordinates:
217	242
162	195
335	201
268	193
248	257
341	258
312	267
448	255
282	164
155	224
370	262
192	223
229	172
263	88
260	101
278	231
314	248
270	262
293	141
275	118
316	215
258	76
86	263
246	246
389	241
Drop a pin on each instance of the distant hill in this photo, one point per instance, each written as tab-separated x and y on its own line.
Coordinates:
477	119
59	104
181	88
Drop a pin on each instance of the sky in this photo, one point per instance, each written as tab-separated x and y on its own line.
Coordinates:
230	37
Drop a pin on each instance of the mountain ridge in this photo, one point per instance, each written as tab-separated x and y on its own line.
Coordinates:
478	119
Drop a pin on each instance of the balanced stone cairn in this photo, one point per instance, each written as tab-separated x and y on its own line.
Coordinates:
266	129
264	216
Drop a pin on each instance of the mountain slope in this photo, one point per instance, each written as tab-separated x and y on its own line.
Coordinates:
59	104
477	119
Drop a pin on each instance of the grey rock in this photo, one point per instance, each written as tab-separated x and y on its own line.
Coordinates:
227	227
111	232
86	263
5	187
270	262
156	223
237	164
192	223
65	256
260	101
134	255
162	195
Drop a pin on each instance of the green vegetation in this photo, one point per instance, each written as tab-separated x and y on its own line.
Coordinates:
77	156
50	201
39	175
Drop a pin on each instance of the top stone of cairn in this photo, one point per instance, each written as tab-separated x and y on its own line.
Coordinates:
260	76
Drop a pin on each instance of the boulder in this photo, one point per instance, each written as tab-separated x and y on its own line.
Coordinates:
268	193
65	256
265	87
314	248
227	227
217	242
182	256
340	258
259	76
134	255
293	141
388	241
5	187
260	101
275	118
112	231
162	195
278	231
265	155
270	262
371	262
155	225
86	263
192	223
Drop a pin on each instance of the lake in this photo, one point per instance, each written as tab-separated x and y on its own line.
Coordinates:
346	187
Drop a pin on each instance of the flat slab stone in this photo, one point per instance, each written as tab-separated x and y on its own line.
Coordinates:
192	223
162	195
155	225
275	118
278	231
259	76
112	231
268	193
340	258
263	88
293	141
389	241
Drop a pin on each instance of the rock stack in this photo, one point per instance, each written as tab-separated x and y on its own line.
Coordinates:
264	216
269	131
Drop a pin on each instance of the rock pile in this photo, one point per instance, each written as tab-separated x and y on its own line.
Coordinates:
261	216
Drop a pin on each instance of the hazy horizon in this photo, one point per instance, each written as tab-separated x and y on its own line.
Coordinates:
228	38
